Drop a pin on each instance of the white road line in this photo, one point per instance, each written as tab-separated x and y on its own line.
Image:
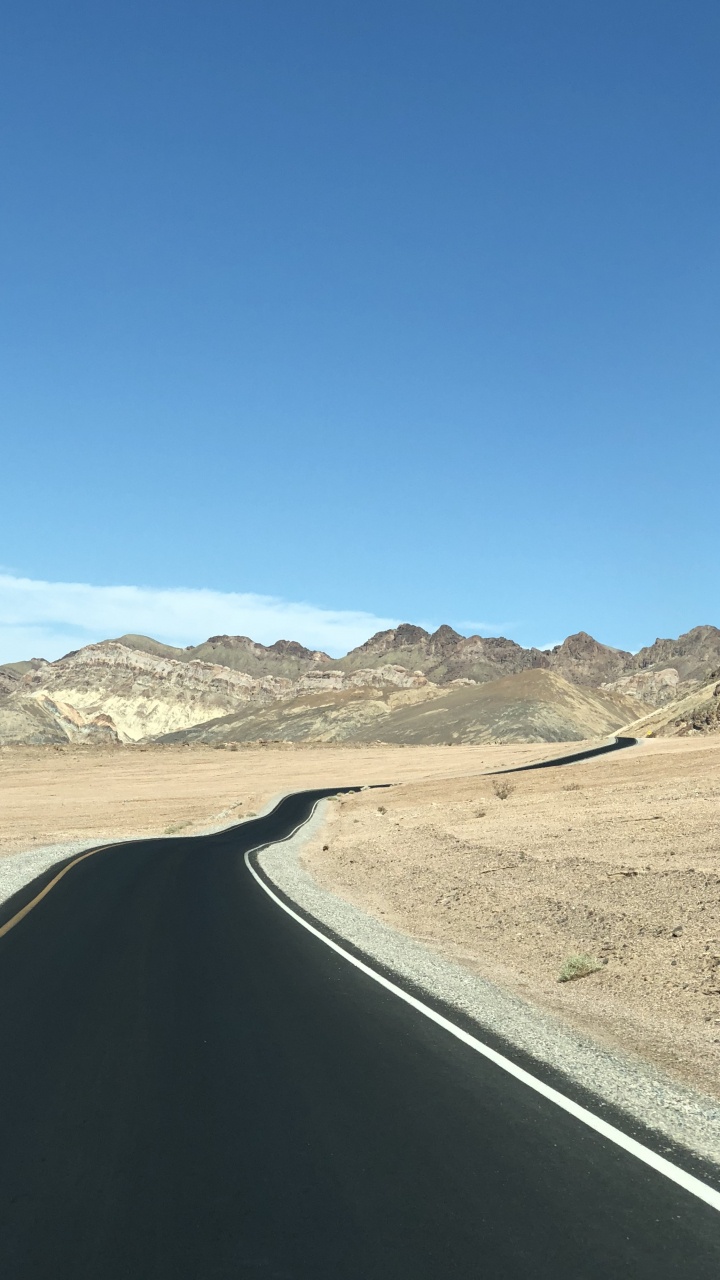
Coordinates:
659	1163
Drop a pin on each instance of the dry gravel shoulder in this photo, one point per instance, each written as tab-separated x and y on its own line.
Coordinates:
617	858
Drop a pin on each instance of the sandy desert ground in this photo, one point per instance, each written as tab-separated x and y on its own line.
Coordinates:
57	794
617	858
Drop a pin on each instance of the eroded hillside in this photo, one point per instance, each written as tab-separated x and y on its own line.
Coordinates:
403	685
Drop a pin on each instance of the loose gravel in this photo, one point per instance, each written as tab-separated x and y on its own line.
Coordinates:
683	1115
21	868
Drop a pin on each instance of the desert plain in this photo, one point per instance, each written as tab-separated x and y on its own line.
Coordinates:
616	859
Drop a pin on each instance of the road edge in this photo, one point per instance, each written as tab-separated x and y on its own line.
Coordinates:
675	1121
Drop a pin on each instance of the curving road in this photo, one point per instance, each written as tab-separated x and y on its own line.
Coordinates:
617	744
193	1085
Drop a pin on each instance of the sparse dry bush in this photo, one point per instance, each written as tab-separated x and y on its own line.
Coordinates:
578	967
502	788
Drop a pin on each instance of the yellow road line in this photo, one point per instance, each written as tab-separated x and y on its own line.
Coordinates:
26	909
20	915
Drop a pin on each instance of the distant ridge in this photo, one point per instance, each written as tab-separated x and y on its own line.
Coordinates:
445	655
283	658
407	683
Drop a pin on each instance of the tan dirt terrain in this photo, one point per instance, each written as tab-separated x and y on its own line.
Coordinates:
55	794
617	858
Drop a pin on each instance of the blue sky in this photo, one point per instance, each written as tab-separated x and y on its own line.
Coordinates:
402	311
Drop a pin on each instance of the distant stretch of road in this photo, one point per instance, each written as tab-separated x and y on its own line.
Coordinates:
193	1086
617	744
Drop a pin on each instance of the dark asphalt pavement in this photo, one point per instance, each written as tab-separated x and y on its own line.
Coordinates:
193	1086
618	744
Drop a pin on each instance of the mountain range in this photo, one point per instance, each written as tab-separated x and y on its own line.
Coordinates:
405	684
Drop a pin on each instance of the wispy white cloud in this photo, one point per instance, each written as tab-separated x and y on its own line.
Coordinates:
46	619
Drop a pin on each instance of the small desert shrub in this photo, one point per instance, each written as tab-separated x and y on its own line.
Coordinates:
571	786
381	808
502	789
578	967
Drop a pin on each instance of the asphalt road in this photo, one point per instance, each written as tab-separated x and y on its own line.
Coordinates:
193	1085
617	744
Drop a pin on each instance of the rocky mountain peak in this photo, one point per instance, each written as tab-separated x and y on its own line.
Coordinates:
583	643
230	642
407	633
695	653
445	638
402	637
291	648
584	660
